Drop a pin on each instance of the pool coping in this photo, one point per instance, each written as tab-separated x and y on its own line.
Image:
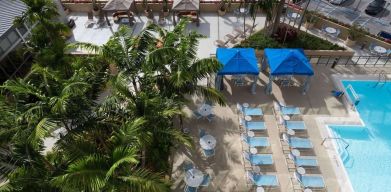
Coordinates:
352	119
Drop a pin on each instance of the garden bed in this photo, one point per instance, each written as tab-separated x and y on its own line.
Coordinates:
260	40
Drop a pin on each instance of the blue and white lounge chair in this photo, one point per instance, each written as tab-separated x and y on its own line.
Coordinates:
304	161
206	180
310	181
296	142
250	111
208	153
190	189
187	166
258	159
262	180
255	125
295	125
256	141
289	110
202	132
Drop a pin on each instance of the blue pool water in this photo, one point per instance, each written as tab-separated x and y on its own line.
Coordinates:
367	160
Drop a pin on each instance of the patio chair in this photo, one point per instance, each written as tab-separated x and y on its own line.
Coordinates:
238	32
258	159
262	180
303	161
295	125
310	181
201	132
90	22
238	80
190	189
187	166
255	141
255	125
296	142
101	21
206	180
208	153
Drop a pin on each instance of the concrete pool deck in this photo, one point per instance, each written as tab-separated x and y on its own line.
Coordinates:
227	167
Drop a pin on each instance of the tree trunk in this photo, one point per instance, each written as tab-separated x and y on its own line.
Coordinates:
277	17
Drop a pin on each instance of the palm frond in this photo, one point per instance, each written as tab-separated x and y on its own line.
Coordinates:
141	180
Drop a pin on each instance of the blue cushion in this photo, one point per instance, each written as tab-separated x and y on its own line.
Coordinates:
290	110
261	159
253	111
312	181
265	180
258	141
300	143
295	125
255	125
190	189
306	162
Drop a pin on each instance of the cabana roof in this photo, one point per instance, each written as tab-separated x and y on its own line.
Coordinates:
186	5
288	62
237	61
118	5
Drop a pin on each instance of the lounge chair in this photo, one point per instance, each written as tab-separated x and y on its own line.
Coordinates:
310	181
255	125
206	180
253	111
190	189
197	115
290	110
210	117
258	159
101	21
208	153
296	142
304	161
295	125
262	180
256	141
201	132
220	43
187	166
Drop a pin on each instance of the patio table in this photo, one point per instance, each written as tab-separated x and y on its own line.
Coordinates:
205	110
296	152
251	133
208	142
307	190
253	150
330	30
300	170
380	49
294	15
260	189
291	132
248	118
194	177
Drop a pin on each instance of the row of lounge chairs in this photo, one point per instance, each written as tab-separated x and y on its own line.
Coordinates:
234	35
261	161
301	143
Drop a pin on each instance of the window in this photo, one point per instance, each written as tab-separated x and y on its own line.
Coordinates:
12	36
5	44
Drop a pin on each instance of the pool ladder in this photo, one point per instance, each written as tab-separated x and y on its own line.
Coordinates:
342	150
382	78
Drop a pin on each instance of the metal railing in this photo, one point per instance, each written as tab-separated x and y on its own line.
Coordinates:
338	138
356	98
370	61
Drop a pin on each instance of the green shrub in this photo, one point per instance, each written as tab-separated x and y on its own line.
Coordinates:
304	40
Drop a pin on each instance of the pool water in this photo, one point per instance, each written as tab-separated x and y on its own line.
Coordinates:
367	159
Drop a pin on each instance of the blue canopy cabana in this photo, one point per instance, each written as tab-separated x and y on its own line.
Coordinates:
237	61
287	62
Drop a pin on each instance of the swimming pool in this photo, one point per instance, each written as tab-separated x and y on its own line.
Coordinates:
367	159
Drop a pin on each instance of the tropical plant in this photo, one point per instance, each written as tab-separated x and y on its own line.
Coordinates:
356	32
311	17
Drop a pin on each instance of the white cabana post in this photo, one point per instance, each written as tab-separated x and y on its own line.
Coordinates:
269	87
306	85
